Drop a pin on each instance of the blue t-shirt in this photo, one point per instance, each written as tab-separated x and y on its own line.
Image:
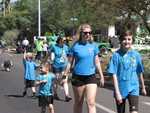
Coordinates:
127	67
84	55
61	53
29	69
45	89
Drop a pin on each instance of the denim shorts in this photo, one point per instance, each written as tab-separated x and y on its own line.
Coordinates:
58	70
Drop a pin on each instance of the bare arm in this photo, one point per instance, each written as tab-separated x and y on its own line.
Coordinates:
25	54
117	91
40	82
98	65
69	65
142	84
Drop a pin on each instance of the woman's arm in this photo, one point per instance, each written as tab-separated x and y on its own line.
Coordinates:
142	84
69	65
98	66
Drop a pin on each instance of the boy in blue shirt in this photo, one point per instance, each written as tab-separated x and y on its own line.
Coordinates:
45	81
29	73
126	68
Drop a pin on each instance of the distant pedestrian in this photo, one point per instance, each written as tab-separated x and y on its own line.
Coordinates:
29	73
60	61
45	49
39	48
126	69
45	81
25	44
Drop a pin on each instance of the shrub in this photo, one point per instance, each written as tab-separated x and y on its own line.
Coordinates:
10	36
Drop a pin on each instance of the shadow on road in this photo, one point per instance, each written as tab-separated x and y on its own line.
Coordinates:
16	96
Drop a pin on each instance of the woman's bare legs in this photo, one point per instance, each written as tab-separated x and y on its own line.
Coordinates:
78	98
91	90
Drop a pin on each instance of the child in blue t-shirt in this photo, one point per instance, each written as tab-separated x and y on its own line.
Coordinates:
29	73
45	82
126	69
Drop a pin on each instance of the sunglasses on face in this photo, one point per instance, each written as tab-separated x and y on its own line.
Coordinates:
85	33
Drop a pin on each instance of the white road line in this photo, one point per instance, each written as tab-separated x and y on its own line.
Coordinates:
146	103
104	108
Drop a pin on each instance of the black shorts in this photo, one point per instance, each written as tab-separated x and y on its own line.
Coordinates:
79	80
29	83
45	100
133	104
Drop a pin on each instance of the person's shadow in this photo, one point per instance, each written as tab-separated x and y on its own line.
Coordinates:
16	96
20	96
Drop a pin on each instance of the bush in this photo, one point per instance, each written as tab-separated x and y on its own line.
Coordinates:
10	36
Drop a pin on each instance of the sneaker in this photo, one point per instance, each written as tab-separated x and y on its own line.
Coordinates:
24	93
68	98
56	97
34	96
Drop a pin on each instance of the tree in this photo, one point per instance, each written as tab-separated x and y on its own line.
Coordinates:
137	10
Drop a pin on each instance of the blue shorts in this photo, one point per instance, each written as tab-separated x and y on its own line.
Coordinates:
58	70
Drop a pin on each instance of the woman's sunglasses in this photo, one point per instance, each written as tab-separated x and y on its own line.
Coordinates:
85	33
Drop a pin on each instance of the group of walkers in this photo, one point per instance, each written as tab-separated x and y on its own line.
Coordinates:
83	62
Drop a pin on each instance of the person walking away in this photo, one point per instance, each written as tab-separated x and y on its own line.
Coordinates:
84	56
29	73
126	69
45	82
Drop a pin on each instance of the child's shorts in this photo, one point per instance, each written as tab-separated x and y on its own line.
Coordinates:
29	83
45	100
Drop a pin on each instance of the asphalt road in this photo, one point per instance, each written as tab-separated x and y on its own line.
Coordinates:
11	101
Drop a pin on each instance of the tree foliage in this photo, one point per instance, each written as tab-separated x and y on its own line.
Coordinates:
57	15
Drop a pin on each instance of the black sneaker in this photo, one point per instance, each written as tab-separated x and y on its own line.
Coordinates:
34	96
24	93
68	98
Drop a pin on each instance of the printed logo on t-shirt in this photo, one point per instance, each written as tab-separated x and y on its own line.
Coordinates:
90	50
